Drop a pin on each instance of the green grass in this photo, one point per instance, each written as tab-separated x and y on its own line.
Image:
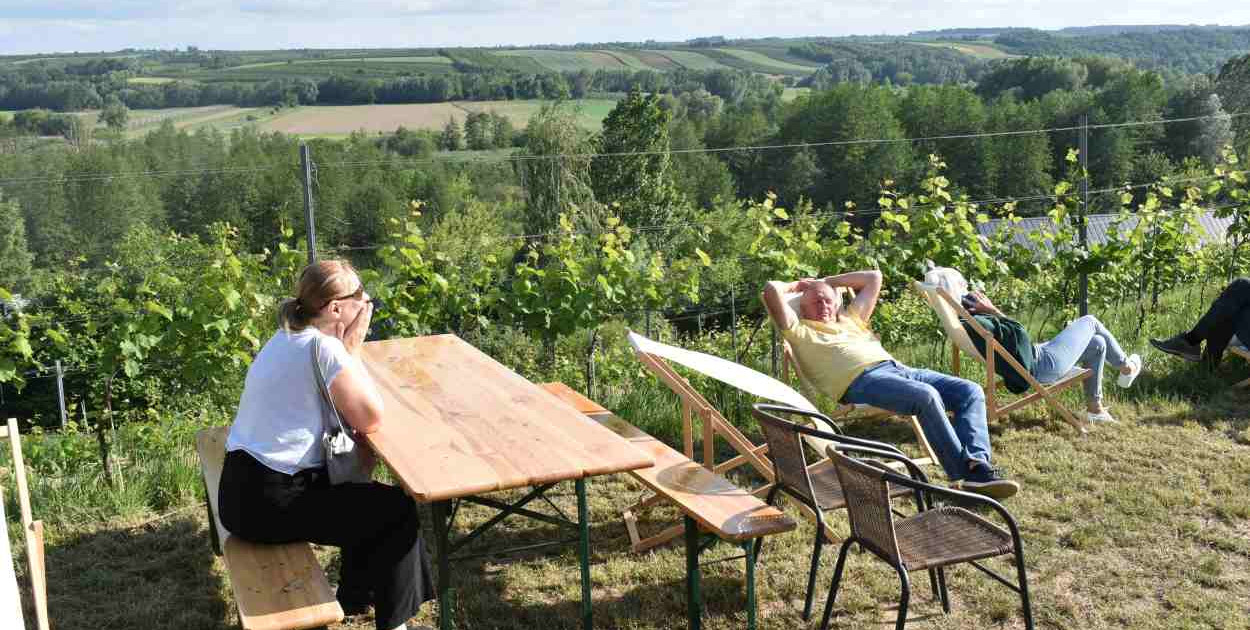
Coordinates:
689	59
572	61
150	80
762	60
791	93
1144	524
978	50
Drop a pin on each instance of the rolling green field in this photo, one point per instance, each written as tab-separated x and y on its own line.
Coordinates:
980	51
571	61
690	59
335	121
765	61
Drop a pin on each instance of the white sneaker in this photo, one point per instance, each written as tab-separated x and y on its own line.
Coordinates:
1134	364
1103	416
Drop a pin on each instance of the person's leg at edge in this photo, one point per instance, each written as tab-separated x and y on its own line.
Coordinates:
378	529
967	400
886	386
1088	341
376	526
1215	327
1232	301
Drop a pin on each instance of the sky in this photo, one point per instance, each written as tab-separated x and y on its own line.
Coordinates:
39	26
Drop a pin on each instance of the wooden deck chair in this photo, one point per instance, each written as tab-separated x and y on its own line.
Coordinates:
943	288
843	411
656	358
32	531
1238	348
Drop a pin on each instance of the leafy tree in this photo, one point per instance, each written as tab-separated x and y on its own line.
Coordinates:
115	115
848	112
1032	77
477	131
1233	86
501	131
452	139
1016	165
554	173
946	110
634	172
15	258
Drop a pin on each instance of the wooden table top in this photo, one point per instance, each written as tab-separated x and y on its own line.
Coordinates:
459	423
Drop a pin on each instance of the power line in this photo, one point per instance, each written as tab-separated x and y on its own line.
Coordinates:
521	158
55	179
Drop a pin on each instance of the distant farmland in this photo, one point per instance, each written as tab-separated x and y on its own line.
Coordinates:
345	119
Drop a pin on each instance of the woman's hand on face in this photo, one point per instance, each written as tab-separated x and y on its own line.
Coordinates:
982	304
353	334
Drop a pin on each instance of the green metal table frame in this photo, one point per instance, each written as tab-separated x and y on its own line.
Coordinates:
698	542
444	513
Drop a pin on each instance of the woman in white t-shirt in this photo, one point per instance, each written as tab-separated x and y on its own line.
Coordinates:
274	487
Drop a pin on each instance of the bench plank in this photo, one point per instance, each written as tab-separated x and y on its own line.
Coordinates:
276	587
717	504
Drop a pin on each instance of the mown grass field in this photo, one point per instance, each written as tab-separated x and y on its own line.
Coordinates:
753	61
1144	524
981	51
341	120
572	61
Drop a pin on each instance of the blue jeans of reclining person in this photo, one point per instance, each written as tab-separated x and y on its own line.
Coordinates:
928	395
1085	340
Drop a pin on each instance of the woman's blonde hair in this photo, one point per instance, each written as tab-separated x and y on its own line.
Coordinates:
318	284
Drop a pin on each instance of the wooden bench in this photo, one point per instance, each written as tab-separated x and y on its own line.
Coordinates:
709	501
277	587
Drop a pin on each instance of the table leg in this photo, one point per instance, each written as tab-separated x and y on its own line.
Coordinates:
748	548
694	604
583	550
440	513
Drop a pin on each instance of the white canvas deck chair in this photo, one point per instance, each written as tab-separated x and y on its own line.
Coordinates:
32	531
843	411
1237	347
943	288
655	357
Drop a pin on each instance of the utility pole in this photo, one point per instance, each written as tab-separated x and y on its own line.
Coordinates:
1082	232
306	166
60	393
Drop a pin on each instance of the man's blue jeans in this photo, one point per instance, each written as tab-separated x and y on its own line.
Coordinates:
927	395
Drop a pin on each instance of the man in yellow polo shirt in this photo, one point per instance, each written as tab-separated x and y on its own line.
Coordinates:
838	352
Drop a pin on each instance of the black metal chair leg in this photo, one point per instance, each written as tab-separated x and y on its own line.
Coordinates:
946	597
903	601
811	575
833	586
1024	589
937	594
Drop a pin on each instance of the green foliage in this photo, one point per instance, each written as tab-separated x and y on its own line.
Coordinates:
633	172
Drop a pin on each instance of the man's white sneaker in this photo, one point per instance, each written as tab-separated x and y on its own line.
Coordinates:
1134	364
1100	417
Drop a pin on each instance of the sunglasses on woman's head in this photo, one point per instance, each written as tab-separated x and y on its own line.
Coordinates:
356	295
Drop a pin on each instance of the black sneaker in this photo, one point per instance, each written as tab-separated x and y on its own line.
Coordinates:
989	481
1177	345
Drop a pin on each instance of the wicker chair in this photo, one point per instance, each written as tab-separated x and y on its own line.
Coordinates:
935	538
816	485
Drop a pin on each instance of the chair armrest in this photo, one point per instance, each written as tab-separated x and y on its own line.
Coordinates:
967	497
893	455
833	437
811	415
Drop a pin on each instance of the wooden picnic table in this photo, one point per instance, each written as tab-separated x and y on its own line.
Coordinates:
459	424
